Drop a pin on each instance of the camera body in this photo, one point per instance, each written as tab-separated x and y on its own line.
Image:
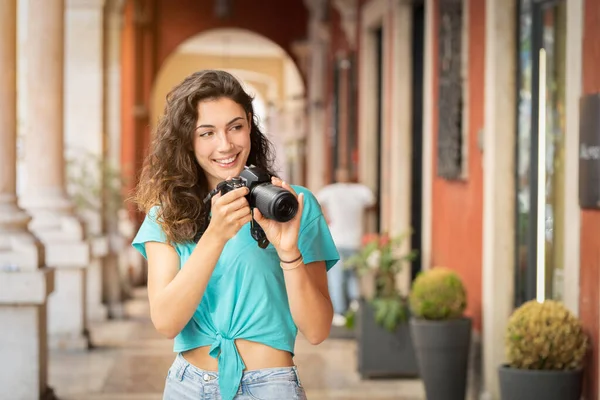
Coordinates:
273	201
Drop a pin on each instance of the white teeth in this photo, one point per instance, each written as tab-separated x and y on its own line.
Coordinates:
226	160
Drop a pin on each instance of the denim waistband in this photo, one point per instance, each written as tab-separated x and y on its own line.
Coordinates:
181	367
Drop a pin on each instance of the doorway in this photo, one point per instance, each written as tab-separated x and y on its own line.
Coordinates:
416	203
378	36
540	175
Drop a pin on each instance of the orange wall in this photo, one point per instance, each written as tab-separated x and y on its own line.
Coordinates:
336	45
457	206
590	220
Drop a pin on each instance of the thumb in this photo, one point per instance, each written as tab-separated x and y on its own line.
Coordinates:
258	217
257	214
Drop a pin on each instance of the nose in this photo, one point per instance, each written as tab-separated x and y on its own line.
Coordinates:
224	143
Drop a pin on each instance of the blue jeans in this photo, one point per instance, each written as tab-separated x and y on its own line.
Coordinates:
187	382
343	284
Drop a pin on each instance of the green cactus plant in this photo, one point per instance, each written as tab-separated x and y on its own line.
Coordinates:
438	294
545	336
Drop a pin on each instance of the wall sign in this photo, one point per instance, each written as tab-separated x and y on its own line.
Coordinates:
589	152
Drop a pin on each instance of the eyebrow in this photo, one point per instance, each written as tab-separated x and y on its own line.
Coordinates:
212	126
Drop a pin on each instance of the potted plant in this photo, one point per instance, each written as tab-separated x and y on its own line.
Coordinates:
545	348
384	344
441	333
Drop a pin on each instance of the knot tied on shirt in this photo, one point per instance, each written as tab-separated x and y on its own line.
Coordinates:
231	366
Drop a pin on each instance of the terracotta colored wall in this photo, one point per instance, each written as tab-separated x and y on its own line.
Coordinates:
338	47
590	220
457	206
281	21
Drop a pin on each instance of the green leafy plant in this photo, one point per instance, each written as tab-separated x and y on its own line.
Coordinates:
545	336
382	256
438	294
94	184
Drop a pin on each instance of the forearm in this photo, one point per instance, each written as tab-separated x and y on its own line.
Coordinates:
311	309
176	303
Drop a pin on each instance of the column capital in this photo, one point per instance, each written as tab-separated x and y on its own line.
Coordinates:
115	6
348	13
316	8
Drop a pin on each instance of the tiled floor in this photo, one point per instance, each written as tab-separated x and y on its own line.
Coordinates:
130	361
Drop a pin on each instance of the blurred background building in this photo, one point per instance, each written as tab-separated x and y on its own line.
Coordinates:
463	116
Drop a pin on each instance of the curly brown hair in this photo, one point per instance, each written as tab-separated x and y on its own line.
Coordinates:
171	177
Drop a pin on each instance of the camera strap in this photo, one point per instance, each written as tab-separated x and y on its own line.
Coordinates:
258	234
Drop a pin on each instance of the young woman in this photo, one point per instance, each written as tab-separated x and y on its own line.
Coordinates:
232	307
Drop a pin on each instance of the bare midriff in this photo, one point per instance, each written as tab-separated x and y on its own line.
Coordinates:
255	356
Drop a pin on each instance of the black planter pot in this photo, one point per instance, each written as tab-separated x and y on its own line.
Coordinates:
383	354
442	350
525	384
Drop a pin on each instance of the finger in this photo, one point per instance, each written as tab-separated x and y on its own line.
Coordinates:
242	213
300	206
214	199
234	194
237	204
258	217
276	181
287	186
246	219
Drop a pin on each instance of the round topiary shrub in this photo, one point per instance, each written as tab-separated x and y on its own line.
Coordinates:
545	336
438	294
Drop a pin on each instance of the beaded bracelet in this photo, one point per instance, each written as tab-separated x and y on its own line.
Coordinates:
300	262
289	262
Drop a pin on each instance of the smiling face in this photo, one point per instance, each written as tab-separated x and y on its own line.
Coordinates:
221	139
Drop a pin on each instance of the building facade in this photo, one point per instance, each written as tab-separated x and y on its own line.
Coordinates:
468	116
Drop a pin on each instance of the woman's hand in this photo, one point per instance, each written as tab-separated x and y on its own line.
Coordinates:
229	213
283	236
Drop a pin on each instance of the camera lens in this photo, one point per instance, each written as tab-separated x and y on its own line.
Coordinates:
274	202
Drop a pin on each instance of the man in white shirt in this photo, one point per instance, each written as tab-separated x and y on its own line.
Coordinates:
344	204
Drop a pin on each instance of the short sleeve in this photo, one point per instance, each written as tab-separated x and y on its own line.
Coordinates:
368	196
322	195
315	241
150	231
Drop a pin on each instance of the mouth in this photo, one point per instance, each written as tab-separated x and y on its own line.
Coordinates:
226	162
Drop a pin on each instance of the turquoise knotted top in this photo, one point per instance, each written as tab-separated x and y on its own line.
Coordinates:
245	297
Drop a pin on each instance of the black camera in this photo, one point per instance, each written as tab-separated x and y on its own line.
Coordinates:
273	201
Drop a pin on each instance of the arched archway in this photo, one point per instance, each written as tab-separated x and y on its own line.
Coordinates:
281	22
263	67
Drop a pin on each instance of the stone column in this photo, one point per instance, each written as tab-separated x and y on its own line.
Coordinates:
115	269
319	45
84	129
498	185
24	283
297	118
44	197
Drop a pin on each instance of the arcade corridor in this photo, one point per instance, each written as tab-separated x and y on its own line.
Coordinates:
130	360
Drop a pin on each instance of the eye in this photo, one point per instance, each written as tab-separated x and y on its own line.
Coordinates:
206	134
237	127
